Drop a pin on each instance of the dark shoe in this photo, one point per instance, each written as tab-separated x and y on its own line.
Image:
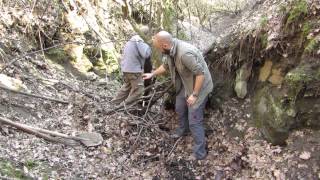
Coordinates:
200	158
179	133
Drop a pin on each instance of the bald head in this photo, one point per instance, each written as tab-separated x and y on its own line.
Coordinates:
163	41
164	37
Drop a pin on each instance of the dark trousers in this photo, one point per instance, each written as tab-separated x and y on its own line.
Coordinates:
192	119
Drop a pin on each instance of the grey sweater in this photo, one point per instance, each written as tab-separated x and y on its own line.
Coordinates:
135	53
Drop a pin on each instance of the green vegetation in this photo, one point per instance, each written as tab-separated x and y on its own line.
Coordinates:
182	35
58	55
7	169
306	29
111	61
263	21
30	164
168	15
299	8
264	40
312	45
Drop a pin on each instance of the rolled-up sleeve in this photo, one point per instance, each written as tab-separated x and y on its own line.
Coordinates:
191	62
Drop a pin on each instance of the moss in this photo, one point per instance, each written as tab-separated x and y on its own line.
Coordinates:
95	57
298	76
58	55
311	45
299	8
264	40
111	61
263	21
273	117
181	35
9	170
306	29
30	164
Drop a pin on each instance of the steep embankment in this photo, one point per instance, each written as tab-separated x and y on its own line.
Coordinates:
273	58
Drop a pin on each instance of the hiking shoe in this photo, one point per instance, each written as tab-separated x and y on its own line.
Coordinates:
200	158
179	133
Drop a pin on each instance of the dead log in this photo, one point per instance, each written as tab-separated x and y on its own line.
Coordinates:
32	131
87	139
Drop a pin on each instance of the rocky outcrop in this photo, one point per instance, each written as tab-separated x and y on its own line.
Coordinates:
12	83
276	64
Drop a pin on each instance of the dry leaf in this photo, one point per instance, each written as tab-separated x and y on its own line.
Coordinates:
305	155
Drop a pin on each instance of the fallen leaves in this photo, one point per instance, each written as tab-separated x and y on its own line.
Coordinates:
305	155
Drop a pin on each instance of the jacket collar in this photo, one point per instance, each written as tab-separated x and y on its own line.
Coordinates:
173	50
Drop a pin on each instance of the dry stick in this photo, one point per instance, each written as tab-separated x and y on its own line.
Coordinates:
30	130
137	101
137	137
174	146
33	95
41	45
144	118
145	114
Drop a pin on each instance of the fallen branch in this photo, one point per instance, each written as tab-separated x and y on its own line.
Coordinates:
33	95
87	139
29	130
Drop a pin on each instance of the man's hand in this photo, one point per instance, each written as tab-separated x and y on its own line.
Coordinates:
191	100
147	76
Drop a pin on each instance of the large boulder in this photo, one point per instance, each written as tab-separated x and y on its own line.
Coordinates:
294	104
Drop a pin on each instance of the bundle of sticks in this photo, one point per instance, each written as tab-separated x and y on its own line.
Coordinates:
157	90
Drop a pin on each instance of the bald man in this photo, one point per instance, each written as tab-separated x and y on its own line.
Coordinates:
191	77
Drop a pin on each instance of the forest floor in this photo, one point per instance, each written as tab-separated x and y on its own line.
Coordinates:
134	150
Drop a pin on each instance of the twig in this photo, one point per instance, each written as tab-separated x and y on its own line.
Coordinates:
174	146
160	94
149	103
138	137
33	95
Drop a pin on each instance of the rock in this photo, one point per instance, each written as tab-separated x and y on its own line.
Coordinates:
243	75
265	71
12	83
276	78
80	61
58	55
296	104
270	116
241	89
309	112
95	56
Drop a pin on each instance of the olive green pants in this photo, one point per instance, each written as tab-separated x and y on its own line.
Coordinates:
131	90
